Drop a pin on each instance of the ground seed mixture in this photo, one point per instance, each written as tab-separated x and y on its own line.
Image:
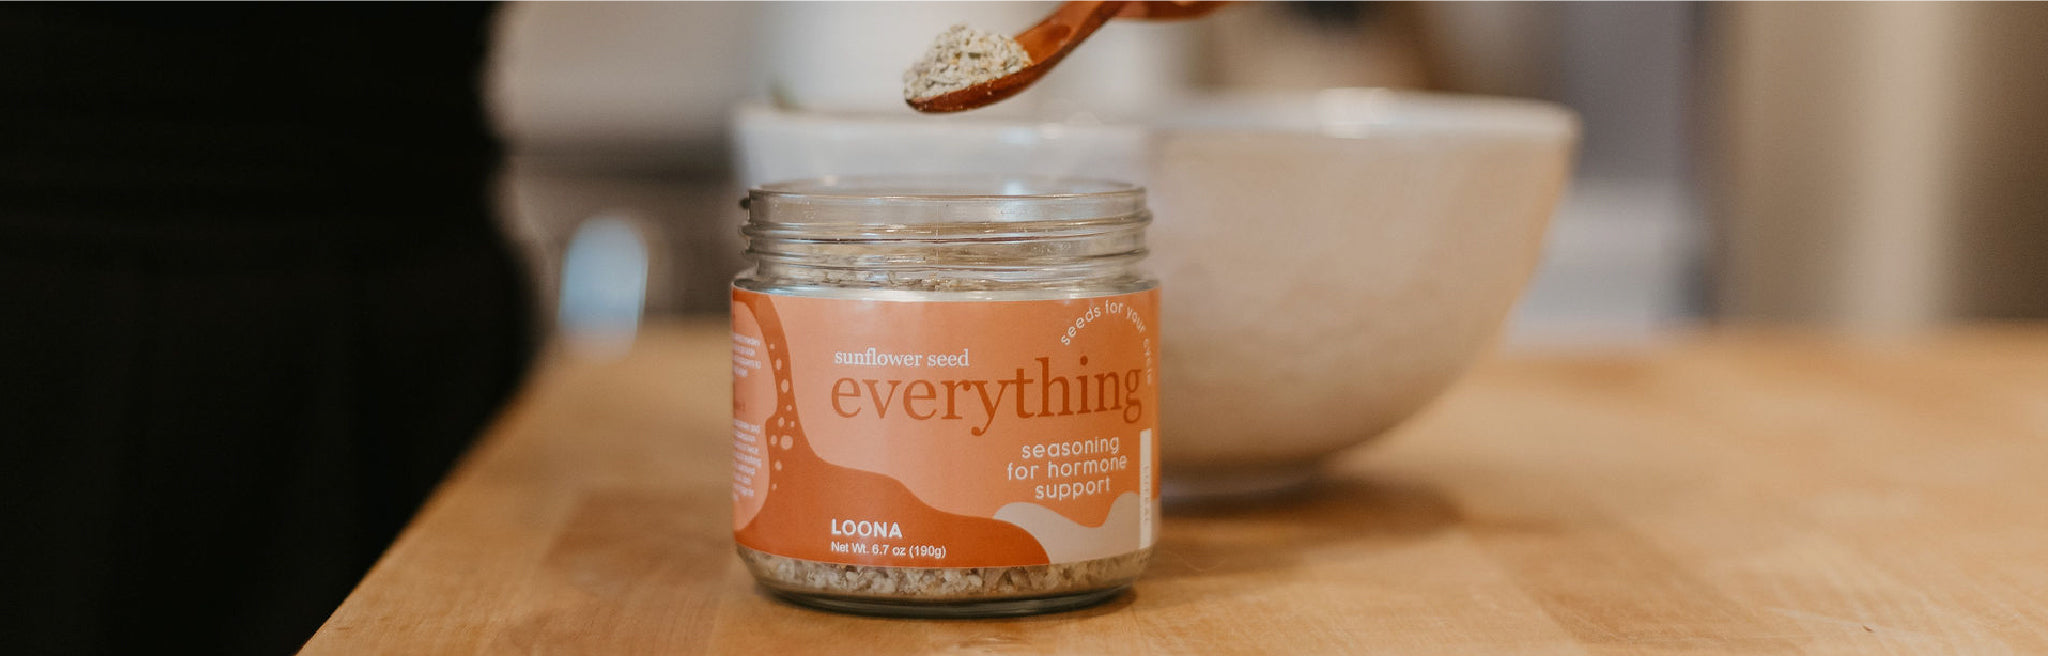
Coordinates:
941	583
962	57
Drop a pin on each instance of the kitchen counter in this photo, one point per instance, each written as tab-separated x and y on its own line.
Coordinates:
1717	493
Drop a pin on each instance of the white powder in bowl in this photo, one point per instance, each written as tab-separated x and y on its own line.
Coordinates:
963	57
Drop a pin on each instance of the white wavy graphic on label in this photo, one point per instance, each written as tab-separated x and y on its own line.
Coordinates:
1067	541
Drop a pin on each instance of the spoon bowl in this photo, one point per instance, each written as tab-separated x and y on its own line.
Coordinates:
1048	42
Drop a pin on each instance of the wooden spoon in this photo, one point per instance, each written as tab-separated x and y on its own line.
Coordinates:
1048	42
1168	9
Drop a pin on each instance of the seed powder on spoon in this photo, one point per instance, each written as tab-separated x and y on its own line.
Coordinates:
962	57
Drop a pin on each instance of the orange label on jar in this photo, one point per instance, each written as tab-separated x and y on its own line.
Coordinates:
945	433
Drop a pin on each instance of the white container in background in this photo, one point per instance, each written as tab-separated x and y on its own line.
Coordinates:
1332	261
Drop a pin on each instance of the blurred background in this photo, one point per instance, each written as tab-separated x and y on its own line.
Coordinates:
1875	168
266	308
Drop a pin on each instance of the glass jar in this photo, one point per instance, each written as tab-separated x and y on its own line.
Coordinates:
945	394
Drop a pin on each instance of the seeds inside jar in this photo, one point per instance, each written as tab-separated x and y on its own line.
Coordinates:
943	583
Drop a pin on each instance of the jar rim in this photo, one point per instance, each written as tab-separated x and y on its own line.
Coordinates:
947	187
942	201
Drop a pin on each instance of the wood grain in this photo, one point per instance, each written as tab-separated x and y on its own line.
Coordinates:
1725	493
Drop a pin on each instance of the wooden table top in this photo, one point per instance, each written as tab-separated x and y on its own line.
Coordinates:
1722	493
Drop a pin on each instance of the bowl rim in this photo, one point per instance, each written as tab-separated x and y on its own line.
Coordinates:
1342	112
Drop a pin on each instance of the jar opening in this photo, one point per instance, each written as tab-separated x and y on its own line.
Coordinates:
949	187
934	204
952	232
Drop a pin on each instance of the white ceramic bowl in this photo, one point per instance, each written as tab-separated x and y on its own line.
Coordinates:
1329	262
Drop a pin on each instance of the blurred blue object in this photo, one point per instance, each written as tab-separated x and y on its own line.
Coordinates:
604	285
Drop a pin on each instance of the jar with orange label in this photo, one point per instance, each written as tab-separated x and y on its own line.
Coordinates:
945	394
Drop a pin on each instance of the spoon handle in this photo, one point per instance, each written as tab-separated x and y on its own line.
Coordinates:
1049	40
1168	9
